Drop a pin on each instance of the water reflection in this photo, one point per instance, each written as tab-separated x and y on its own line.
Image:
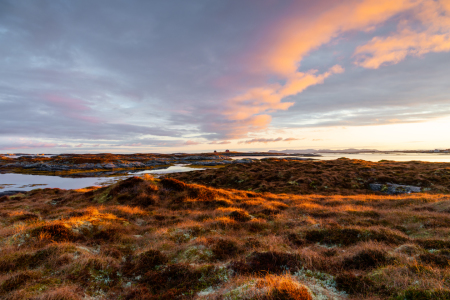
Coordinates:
25	182
22	182
172	169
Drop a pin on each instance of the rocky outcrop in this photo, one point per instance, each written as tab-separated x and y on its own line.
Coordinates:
392	189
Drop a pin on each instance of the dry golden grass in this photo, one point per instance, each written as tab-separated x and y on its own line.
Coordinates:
141	239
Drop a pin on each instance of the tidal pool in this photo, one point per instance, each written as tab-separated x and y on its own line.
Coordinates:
26	182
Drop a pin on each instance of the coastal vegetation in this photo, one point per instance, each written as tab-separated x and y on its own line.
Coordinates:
226	238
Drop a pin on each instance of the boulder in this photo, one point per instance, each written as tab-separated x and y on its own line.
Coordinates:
392	189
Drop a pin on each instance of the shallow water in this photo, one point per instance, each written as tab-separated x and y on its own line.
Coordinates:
172	169
25	182
22	182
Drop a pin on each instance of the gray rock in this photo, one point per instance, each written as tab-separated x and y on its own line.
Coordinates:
109	166
244	161
391	189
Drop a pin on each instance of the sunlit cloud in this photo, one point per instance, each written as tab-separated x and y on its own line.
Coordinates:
219	143
428	30
191	143
295	38
265	141
140	84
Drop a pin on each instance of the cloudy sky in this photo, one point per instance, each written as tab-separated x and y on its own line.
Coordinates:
187	76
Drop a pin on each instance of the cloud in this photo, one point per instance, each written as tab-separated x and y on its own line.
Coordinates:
291	139
191	143
265	141
27	145
219	143
295	38
160	74
427	31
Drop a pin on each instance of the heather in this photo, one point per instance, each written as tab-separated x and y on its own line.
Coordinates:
147	238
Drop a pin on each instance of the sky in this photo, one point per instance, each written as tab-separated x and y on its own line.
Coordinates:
170	76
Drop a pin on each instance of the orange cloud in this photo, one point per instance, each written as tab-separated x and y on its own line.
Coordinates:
265	141
410	39
286	46
191	143
295	38
219	143
249	108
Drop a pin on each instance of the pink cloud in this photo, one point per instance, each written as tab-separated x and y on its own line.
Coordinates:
220	143
265	141
29	145
72	108
410	39
288	42
191	143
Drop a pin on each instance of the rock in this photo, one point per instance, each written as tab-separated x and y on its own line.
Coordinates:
109	166
392	189
244	161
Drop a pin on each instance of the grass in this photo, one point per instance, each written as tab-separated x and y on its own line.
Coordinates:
143	238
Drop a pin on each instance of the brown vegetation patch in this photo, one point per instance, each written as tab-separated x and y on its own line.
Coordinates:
282	288
267	262
353	235
340	176
240	216
435	259
149	260
224	248
366	259
210	243
58	232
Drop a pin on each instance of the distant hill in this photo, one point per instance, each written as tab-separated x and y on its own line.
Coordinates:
323	151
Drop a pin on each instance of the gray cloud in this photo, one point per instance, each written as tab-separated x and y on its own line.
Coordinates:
159	74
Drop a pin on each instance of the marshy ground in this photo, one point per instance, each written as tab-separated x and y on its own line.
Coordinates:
144	238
